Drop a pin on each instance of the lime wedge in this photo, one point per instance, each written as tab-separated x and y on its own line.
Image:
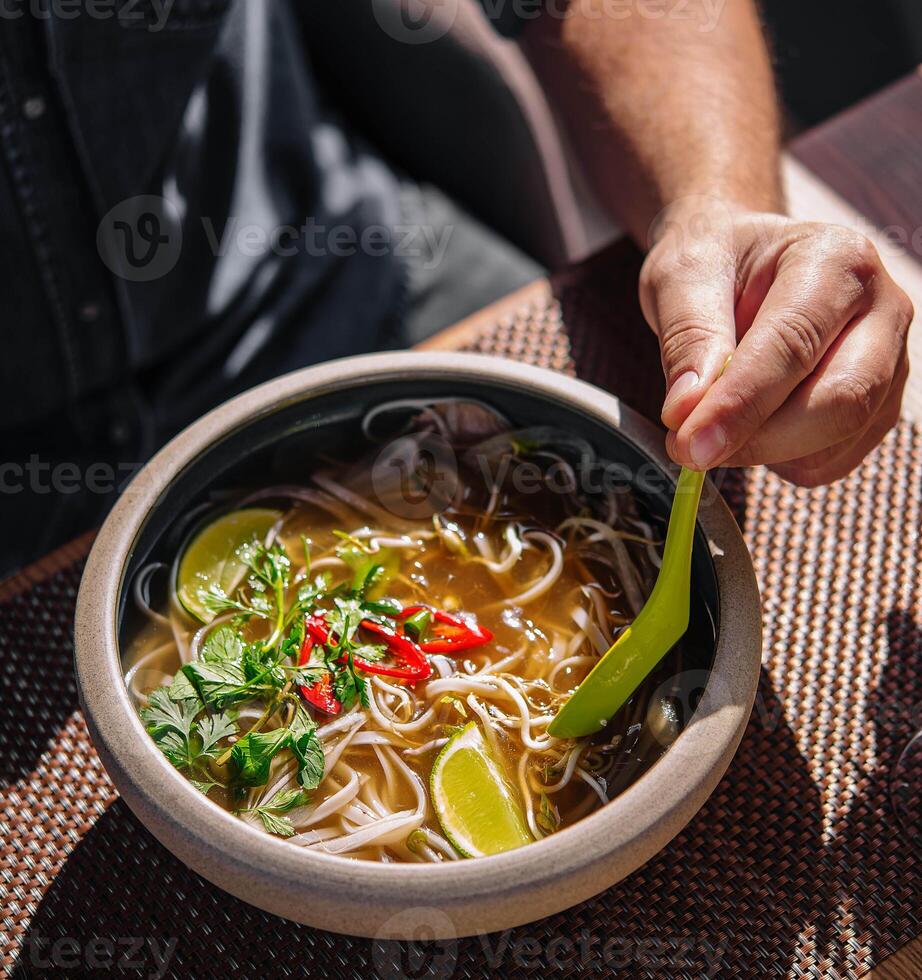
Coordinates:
210	560
476	805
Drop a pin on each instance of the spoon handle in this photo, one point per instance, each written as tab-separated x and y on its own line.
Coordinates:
674	578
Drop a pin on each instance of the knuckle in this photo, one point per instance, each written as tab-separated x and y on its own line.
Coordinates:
661	265
683	336
857	251
856	400
799	337
863	255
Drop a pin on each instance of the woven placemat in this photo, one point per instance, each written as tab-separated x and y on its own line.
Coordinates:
795	867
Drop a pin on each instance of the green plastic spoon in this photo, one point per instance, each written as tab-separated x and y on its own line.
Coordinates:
660	625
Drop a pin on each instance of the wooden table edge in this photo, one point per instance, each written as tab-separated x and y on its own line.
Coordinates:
45	567
904	964
465	332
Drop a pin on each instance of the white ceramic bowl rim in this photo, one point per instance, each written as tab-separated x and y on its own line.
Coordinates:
638	822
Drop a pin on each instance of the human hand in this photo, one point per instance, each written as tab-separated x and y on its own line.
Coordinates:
816	326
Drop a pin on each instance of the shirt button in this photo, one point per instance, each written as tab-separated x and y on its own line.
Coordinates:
34	107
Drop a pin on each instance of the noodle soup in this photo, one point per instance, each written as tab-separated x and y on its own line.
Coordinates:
366	664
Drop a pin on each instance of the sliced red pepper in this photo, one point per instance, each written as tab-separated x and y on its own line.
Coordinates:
316	629
413	667
450	634
320	693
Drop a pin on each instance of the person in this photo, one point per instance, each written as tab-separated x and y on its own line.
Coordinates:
680	127
184	213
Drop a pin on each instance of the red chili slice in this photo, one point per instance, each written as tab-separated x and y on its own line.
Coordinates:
316	629
414	665
319	694
450	633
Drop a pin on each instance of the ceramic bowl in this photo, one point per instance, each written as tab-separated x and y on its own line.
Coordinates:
315	408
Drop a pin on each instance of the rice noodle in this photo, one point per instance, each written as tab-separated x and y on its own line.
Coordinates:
512	556
435	743
589	627
547	580
492	686
626	570
443	665
409	726
596	786
141	592
524	789
383	831
330	805
553	583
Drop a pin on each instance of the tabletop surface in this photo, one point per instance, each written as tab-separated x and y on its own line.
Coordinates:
795	867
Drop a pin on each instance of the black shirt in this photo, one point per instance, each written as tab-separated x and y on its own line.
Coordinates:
181	216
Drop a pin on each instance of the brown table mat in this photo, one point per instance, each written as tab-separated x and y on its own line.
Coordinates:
795	866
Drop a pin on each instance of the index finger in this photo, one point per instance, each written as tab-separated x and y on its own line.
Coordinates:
813	297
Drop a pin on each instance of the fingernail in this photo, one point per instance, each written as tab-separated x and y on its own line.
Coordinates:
683	384
707	445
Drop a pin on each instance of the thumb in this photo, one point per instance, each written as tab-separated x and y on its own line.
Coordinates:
692	311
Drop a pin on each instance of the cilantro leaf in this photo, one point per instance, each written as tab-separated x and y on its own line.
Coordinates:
383	607
186	743
372	652
181	689
269	570
310	675
346	687
253	754
177	748
344	618
283	802
260	665
274	824
291	648
307	750
211	729
219	684
286	800
163	716
222	644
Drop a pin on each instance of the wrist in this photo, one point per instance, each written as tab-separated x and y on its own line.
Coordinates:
709	215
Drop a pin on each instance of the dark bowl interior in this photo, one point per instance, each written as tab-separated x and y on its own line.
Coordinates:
282	447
